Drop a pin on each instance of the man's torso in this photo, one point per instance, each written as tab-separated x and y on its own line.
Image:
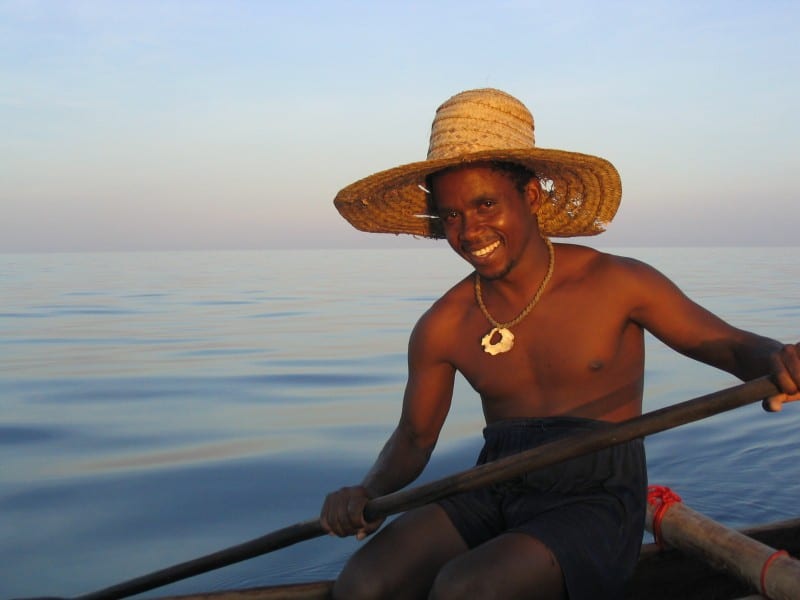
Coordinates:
577	353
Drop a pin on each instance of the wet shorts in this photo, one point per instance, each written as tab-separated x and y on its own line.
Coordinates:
589	511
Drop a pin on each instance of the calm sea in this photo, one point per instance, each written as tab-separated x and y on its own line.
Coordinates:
156	407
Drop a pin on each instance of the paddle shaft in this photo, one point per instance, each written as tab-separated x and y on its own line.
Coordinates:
489	473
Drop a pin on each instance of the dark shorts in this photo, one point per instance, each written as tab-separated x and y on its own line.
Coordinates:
589	511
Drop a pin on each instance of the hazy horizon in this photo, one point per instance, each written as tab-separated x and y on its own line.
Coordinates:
153	126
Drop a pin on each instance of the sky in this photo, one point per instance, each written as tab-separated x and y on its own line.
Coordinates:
184	125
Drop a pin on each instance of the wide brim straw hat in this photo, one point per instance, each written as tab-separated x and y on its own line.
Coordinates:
581	192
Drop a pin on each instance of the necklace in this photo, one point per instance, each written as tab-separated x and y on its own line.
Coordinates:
506	341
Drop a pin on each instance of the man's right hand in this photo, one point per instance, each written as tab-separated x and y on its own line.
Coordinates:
343	513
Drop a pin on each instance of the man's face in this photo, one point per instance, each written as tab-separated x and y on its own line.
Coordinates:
486	219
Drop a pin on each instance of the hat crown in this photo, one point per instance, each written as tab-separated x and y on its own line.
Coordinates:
482	119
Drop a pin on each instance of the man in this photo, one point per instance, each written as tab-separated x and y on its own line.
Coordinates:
552	338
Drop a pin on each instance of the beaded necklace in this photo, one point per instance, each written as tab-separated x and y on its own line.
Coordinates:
506	341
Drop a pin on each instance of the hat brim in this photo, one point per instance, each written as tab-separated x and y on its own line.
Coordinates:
582	193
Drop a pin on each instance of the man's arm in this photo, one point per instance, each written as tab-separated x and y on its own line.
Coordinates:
426	403
661	308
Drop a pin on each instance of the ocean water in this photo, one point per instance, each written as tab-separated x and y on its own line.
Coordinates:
156	407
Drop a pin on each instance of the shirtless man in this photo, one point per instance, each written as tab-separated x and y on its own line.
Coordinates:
552	338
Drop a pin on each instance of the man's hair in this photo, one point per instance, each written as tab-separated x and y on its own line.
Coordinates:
519	174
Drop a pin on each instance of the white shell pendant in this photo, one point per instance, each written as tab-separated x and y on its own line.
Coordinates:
504	344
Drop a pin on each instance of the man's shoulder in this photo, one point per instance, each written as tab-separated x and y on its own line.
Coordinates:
433	334
448	311
586	268
453	303
585	260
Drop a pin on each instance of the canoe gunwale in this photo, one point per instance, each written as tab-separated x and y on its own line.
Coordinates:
660	574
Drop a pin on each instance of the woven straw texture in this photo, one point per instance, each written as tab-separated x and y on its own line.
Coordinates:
581	192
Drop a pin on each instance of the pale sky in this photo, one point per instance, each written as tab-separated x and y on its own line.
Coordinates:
177	124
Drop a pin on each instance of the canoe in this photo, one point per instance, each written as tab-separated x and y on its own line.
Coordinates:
660	574
671	573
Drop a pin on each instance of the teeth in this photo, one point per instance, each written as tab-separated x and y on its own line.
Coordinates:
487	249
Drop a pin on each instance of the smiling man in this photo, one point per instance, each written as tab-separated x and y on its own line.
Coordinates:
551	336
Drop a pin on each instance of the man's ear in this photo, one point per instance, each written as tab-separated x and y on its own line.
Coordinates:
533	194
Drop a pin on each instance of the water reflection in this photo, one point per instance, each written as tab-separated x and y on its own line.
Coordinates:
157	407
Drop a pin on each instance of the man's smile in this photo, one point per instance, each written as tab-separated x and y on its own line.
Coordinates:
486	250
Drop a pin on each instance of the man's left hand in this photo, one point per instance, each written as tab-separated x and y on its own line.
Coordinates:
785	373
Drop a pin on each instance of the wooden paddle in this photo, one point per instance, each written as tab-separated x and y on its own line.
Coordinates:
494	472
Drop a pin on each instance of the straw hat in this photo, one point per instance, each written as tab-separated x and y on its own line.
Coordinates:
582	192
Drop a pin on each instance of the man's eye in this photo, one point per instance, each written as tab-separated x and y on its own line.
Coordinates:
450	215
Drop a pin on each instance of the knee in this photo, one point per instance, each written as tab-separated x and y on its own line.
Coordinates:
355	584
454	583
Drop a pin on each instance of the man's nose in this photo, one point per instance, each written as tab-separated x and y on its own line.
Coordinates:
470	226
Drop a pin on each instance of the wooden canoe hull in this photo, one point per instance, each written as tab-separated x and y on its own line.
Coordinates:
660	575
672	574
